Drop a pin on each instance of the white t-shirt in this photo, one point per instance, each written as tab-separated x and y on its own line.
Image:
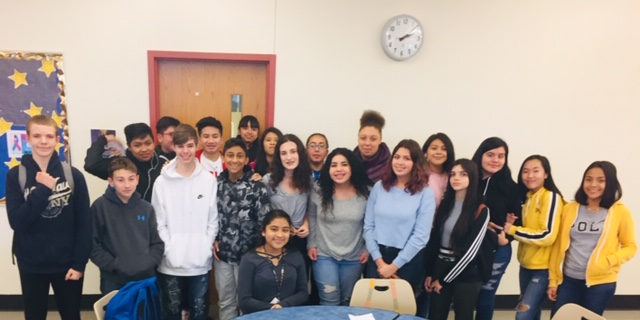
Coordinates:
214	167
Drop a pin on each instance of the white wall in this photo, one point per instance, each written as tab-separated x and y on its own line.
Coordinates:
560	78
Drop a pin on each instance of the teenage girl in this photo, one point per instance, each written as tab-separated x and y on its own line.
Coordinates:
596	237
458	232
540	225
439	154
398	218
336	219
272	277
498	192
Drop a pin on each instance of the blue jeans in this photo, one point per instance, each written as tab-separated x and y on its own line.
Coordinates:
336	279
594	298
487	297
171	293
533	290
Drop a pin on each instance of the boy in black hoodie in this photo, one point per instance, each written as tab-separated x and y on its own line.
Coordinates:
49	213
140	150
126	244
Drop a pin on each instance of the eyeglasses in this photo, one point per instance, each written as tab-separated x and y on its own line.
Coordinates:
317	146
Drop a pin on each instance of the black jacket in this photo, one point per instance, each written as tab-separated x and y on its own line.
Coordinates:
97	163
126	244
52	228
467	262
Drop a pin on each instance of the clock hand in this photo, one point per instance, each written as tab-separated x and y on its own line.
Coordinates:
408	34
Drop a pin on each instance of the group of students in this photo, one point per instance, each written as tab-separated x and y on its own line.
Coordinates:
265	209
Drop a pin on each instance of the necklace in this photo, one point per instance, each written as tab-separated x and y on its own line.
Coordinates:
269	255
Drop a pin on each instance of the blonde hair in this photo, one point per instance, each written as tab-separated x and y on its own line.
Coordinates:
42	120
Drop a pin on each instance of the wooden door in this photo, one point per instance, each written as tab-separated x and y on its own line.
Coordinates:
191	90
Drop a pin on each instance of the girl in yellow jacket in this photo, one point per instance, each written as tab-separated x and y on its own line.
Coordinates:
596	237
540	225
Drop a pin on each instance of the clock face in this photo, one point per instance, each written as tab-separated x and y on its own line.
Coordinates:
402	37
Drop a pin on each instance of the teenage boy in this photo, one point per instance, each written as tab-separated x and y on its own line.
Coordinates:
210	133
140	151
126	244
48	208
242	204
164	132
317	149
248	131
184	198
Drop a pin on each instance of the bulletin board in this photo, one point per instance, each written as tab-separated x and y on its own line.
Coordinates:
30	84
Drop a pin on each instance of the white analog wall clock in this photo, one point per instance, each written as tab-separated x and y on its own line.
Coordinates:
402	37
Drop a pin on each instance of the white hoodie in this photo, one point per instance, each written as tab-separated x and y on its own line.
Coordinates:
187	216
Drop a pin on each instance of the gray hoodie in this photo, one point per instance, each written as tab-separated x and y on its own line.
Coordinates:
126	244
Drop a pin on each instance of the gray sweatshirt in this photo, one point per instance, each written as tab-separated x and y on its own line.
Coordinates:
337	233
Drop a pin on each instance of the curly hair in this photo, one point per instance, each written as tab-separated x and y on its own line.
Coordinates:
372	118
359	179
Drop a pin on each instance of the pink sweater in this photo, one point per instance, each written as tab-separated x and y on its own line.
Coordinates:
438	183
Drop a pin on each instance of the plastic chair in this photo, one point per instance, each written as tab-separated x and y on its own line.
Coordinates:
99	306
572	311
386	294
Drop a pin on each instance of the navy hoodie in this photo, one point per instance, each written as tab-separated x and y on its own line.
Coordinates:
52	228
126	244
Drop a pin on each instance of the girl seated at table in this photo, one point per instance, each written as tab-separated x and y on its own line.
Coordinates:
272	277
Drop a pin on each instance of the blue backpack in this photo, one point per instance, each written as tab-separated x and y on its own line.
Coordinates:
139	300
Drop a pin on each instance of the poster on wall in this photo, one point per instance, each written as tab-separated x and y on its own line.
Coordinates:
30	84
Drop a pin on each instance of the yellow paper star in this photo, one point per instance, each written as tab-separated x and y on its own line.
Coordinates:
14	162
4	126
33	110
58	146
48	66
19	78
57	118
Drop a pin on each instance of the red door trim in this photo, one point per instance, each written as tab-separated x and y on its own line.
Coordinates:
153	57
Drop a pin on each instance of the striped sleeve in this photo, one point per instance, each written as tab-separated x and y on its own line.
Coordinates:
470	254
541	229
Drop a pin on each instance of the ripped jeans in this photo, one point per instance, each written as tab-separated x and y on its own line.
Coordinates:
171	294
336	279
533	291
486	302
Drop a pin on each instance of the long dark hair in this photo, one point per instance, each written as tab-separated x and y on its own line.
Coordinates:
270	216
359	178
501	179
612	188
262	165
451	154
469	206
548	182
301	174
418	177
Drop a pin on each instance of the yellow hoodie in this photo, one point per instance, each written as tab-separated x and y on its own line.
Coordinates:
540	225
617	245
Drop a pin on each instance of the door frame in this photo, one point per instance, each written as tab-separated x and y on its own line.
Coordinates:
154	57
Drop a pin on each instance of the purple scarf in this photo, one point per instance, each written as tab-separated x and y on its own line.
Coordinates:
375	165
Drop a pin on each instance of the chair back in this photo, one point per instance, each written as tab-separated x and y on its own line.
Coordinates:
386	294
572	311
100	305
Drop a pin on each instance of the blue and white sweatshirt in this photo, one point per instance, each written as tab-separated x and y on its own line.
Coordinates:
52	228
398	219
187	216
